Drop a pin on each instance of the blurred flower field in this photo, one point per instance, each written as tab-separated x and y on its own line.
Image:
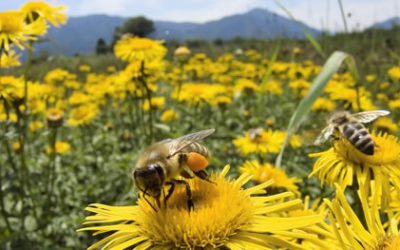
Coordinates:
71	138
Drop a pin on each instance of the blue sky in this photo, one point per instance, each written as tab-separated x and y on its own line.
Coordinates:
317	13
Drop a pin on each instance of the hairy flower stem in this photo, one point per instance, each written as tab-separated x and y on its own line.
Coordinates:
142	80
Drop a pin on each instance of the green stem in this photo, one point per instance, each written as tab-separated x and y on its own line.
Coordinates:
53	154
343	16
2	206
142	80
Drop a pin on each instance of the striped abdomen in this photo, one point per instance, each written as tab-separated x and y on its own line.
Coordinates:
198	148
359	137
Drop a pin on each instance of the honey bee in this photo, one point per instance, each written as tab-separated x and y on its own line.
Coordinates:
163	162
255	133
351	127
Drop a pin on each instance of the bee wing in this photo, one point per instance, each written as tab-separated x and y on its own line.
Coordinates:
369	116
178	144
324	135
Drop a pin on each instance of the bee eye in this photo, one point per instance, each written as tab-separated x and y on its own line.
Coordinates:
158	169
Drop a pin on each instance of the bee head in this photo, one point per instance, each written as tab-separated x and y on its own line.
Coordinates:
150	179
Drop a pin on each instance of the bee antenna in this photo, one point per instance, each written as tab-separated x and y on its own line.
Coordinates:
148	202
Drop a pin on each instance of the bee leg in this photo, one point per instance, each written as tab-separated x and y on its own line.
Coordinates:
202	174
190	203
170	191
158	202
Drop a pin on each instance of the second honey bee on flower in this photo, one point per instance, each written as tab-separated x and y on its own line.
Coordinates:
351	127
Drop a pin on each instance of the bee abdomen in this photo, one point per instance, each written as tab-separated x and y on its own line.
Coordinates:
198	148
359	137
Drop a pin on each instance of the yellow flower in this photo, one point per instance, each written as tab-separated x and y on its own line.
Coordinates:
169	115
296	50
259	142
341	163
57	76
272	86
139	49
11	88
394	73
324	104
225	216
62	148
366	231
16	146
197	92
370	78
265	172
35	126
221	101
78	98
394	104
53	14
14	31
384	85
300	85
9	59
387	124
54	117
245	85
383	97
84	68
82	115
182	51
156	103
111	69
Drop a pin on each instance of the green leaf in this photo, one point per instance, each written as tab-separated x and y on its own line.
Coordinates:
330	67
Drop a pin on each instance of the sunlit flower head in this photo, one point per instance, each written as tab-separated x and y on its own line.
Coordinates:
272	86
194	93
169	115
266	172
245	85
225	216
53	14
156	103
365	230
261	141
11	59
324	104
14	31
84	68
11	87
341	163
182	51
394	73
54	117
296	50
386	124
82	115
140	49
35	126
62	148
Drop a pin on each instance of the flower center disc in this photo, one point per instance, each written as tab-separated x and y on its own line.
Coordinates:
220	210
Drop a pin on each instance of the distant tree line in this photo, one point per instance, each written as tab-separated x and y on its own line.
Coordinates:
138	26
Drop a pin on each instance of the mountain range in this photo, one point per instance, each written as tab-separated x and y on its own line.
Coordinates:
80	34
388	24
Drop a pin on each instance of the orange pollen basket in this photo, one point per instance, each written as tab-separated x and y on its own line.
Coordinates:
196	161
